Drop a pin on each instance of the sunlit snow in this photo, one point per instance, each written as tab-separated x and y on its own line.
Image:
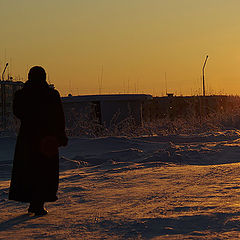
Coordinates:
159	187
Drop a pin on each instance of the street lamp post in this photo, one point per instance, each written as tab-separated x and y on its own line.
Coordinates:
204	65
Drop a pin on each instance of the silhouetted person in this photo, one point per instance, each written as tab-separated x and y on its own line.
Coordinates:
35	171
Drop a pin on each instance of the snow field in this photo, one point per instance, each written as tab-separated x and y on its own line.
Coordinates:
159	187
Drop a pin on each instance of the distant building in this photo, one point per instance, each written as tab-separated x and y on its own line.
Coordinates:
183	106
105	109
170	94
7	90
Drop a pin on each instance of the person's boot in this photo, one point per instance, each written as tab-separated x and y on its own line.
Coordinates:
37	209
39	212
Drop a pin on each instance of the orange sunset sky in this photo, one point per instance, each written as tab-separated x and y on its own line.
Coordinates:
134	42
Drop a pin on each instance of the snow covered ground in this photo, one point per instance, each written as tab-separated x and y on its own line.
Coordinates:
160	187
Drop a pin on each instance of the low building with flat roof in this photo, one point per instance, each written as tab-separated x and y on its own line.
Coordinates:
106	109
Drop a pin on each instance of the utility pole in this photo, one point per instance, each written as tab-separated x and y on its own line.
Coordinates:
100	81
166	83
4	71
204	65
3	96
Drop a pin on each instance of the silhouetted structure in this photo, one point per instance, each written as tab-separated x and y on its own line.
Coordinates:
35	169
106	109
7	91
174	107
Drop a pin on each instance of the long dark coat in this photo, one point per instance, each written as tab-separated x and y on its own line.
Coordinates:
35	171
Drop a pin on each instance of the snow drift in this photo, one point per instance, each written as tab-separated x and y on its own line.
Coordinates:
158	187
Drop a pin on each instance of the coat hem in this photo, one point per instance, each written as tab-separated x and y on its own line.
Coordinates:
29	200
